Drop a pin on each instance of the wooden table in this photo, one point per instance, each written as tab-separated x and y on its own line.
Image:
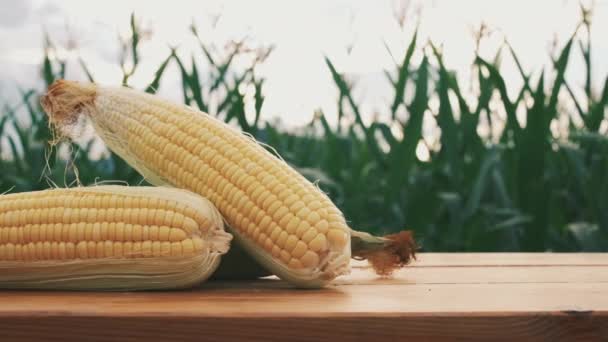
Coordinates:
548	297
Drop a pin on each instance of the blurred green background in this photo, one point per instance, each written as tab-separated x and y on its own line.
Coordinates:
511	171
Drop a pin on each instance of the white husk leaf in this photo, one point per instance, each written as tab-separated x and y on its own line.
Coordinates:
138	273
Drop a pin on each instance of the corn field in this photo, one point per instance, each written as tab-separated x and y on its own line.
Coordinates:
528	187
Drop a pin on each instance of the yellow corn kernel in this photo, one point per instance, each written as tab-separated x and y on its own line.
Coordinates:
95	250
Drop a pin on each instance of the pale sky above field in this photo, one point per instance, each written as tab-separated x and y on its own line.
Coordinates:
298	81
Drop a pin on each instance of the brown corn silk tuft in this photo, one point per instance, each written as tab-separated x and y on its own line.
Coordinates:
65	101
399	251
385	254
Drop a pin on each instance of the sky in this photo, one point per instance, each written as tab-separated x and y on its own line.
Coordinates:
353	34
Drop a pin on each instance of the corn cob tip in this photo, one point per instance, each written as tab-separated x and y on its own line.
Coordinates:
65	101
385	254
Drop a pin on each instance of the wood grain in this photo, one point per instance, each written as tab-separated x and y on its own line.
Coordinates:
505	299
509	259
514	327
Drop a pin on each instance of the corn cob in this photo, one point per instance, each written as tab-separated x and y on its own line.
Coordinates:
108	238
280	218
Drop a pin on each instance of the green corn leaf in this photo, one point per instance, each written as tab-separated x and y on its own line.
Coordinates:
450	142
153	86
259	100
579	108
510	109
403	75
386	133
596	114
17	160
195	87
525	77
473	201
390	78
233	94
327	129
511	222
86	70
24	142
25	100
403	156
3	121
62	68
135	37
560	67
586	52
587	235
186	84
47	66
204	48
345	90
223	70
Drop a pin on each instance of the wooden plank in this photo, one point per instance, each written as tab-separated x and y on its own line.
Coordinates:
512	327
276	299
508	259
479	274
270	311
512	297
